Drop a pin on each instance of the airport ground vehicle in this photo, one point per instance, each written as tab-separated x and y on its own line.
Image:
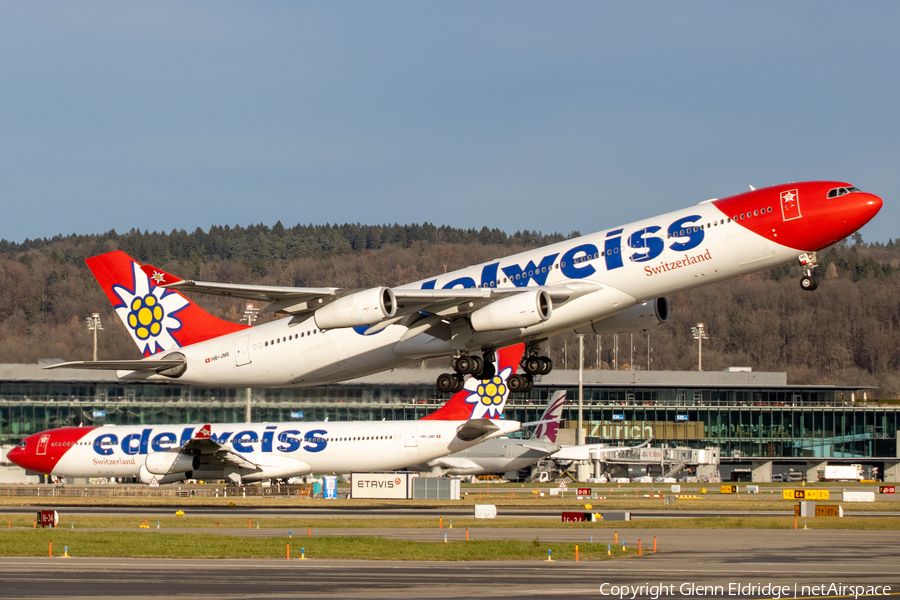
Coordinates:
841	473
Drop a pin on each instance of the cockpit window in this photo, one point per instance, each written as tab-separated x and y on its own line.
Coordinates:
22	444
834	193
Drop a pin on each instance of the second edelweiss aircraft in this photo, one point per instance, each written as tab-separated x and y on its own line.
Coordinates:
256	451
607	282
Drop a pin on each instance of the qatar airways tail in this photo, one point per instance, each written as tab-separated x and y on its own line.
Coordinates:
612	281
253	452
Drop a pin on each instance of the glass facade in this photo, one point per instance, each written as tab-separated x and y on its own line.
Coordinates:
786	421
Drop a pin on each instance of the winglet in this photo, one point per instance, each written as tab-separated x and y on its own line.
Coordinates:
204	433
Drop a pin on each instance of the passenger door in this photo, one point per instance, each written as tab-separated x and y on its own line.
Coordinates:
242	351
410	440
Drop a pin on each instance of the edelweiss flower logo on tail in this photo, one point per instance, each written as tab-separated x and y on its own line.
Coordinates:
149	313
483	398
488	396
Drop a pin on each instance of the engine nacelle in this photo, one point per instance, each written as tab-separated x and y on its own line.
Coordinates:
150	478
163	463
513	312
362	308
637	318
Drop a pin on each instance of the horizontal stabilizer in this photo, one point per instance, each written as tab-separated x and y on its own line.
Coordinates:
120	365
476	428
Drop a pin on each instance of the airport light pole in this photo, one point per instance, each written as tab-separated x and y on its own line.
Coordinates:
632	352
251	313
699	333
580	438
93	323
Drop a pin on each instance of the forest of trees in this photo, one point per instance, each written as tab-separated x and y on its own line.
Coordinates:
841	334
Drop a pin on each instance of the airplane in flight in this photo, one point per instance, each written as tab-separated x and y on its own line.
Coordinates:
509	456
159	454
612	281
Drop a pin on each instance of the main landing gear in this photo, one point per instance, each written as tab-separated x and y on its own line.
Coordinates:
809	281
476	366
463	365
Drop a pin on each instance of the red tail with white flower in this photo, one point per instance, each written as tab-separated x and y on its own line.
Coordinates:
483	398
159	320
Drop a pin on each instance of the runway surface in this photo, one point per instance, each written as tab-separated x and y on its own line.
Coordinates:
686	557
409	512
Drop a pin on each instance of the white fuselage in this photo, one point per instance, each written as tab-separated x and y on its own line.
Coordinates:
279	353
277	450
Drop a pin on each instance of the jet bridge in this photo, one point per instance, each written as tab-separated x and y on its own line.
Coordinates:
661	462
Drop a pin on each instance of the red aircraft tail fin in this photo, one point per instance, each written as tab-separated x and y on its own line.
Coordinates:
158	319
483	398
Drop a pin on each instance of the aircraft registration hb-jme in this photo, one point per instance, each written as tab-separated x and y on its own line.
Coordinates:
607	282
252	452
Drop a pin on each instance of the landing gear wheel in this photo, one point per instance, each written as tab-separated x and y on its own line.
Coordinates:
487	371
516	383
547	366
460	383
447	382
809	283
520	383
463	364
529	384
477	366
537	365
533	365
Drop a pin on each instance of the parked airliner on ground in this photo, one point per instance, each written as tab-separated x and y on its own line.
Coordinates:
252	452
612	281
509	455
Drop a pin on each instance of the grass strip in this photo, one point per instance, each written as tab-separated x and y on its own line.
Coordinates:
300	526
173	545
762	503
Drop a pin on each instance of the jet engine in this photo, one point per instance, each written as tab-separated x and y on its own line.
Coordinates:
361	308
163	463
513	312
637	318
147	477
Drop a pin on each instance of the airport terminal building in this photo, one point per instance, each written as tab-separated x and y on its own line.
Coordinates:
762	425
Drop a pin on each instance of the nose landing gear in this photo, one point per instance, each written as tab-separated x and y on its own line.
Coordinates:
809	281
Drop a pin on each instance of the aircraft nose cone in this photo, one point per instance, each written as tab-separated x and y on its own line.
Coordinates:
17	456
874	204
860	208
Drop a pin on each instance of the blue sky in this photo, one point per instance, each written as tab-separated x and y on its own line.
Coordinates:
554	116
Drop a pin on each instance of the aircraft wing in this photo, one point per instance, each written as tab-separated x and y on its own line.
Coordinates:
213	453
457	464
411	302
542	449
584	452
282	296
154	366
476	428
